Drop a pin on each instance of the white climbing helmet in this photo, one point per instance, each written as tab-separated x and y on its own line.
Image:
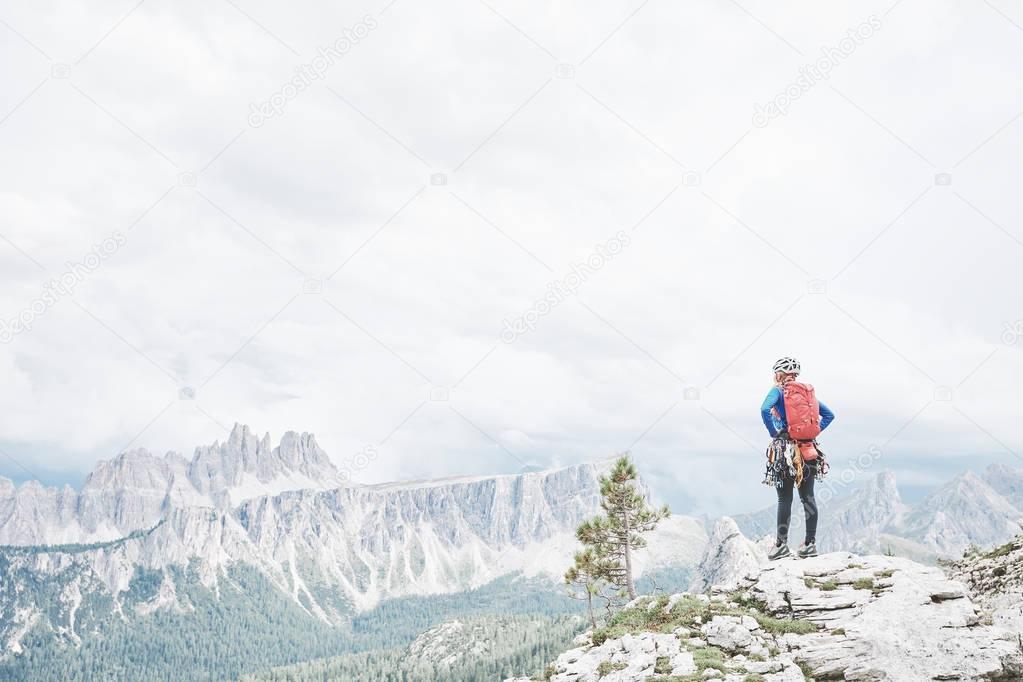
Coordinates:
787	365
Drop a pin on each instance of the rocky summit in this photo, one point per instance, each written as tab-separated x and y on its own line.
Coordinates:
839	616
995	579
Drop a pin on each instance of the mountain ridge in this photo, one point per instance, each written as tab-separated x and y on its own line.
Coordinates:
334	549
134	489
966	511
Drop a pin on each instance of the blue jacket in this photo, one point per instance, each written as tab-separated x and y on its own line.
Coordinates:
775	400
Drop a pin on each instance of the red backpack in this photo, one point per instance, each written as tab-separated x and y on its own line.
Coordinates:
802	411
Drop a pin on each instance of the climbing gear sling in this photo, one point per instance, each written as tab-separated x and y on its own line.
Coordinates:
785	460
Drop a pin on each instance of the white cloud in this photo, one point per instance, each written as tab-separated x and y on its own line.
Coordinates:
538	168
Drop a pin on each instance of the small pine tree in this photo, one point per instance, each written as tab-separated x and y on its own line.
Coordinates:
615	536
585	581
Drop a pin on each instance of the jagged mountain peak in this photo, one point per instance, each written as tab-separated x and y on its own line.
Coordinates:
727	558
886	483
968	478
241	438
136	488
876	498
965	511
242	445
966	488
997	470
1007	481
300	450
996	479
874	501
136	468
31	488
245	466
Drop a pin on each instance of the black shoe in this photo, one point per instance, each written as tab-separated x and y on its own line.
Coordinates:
779	552
807	550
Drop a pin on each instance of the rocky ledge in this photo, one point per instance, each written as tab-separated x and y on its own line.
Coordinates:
995	579
839	616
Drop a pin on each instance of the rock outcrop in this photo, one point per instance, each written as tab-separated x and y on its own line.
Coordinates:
728	558
885	618
995	579
839	616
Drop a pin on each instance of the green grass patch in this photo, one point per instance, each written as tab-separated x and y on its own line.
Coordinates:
690	612
785	625
887	573
829	586
687	611
864	584
609	632
1004	550
747	601
709	657
607	667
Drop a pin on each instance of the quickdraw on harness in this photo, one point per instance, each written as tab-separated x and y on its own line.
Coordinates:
785	461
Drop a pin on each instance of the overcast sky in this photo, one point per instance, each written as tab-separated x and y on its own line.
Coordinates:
696	188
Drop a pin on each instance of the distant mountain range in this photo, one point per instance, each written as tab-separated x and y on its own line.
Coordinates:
973	509
334	549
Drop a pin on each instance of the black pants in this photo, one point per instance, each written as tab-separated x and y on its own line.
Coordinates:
805	496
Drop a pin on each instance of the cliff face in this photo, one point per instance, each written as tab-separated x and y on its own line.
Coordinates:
372	542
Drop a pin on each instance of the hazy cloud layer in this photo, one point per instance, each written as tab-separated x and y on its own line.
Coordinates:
423	175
